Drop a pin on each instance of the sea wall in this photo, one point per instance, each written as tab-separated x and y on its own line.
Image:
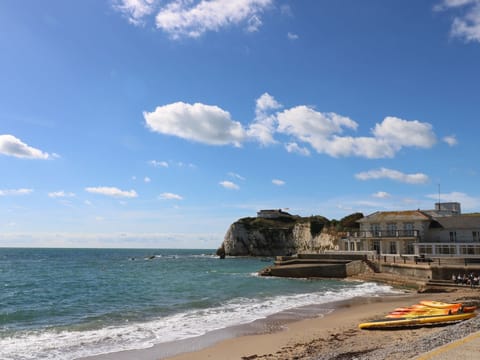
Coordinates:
406	270
310	266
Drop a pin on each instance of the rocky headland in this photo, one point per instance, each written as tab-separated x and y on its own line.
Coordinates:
285	234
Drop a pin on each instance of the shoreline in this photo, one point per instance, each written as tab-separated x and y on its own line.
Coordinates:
321	332
337	336
272	325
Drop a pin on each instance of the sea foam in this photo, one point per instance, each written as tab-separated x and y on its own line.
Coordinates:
72	343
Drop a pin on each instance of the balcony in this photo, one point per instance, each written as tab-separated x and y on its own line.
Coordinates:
382	234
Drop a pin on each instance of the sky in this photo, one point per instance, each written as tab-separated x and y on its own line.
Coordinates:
158	123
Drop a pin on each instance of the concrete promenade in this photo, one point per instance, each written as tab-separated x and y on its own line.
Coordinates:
467	348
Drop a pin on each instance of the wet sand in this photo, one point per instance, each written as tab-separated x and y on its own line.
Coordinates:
335	335
327	331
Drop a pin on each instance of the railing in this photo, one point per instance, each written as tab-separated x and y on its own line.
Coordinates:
386	234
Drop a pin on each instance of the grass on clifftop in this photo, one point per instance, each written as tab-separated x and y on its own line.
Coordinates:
317	223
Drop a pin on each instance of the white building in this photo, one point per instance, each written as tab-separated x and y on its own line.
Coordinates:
432	233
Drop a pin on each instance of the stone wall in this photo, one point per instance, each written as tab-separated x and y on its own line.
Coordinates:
413	271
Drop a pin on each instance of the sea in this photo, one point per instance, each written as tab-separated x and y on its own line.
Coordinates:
72	303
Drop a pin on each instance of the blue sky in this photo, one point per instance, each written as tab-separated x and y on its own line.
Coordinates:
158	123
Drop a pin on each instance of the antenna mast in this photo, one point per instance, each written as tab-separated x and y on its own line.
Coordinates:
439	207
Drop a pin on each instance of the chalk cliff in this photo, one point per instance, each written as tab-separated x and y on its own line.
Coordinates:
284	235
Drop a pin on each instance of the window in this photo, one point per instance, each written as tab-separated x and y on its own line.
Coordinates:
393	247
446	249
410	247
408	229
392	229
453	236
475	236
376	246
425	249
467	250
375	230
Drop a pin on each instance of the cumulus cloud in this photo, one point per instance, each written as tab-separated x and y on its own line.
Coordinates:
467	24
229	185
135	10
170	196
398	133
278	182
15	192
236	176
146	179
451	140
61	194
112	191
292	36
396	175
381	195
12	146
198	122
263	128
156	163
324	132
192	19
293	147
300	127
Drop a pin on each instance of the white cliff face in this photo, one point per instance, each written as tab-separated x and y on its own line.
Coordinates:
244	240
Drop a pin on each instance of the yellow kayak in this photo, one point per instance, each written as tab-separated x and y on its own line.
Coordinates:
419	312
430	308
418	320
440	304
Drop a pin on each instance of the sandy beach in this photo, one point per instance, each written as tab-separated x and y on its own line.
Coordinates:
336	335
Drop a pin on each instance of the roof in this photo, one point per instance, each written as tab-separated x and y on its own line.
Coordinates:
457	222
396	216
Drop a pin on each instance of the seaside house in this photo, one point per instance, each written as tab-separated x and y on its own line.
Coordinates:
441	232
389	232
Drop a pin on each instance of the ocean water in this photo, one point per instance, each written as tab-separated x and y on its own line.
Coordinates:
70	303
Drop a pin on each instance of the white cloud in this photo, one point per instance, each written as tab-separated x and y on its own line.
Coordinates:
399	133
112	191
451	140
323	131
254	24
467	202
170	196
292	36
15	192
12	146
278	182
381	195
181	18
229	185
146	179
135	10
198	122
293	147
263	128
236	176
302	126
60	194
156	163
396	175
467	24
